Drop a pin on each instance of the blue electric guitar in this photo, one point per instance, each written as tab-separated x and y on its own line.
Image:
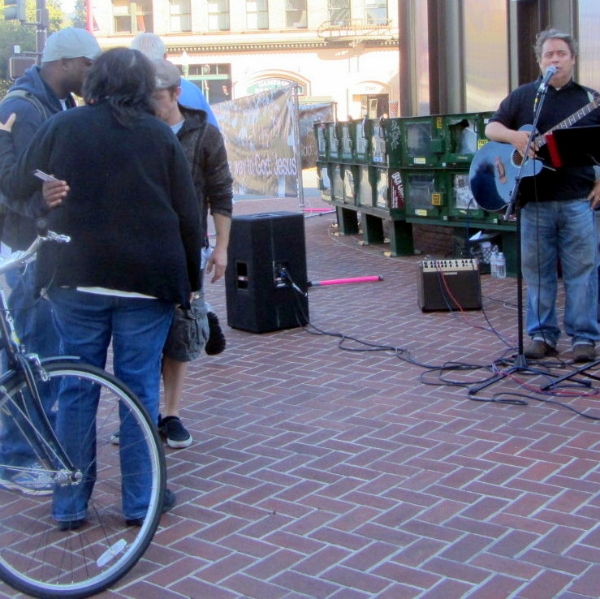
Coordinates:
496	165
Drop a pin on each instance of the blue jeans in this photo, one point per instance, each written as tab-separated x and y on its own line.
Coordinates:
138	329
32	317
566	231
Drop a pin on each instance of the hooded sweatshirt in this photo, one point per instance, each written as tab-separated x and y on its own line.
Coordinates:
18	230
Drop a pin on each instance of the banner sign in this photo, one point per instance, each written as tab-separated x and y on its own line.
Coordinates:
260	133
309	115
261	142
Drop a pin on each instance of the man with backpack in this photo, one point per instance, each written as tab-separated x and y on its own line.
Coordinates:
40	93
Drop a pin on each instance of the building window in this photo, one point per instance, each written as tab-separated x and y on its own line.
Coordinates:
257	14
589	44
339	12
132	17
295	14
213	79
181	15
218	15
377	12
486	57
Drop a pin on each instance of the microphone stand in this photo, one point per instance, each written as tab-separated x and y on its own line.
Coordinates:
520	362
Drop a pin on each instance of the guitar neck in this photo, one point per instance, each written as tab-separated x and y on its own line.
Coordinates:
569	121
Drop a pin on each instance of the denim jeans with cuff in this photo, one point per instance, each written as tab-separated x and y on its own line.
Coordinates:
87	324
564	230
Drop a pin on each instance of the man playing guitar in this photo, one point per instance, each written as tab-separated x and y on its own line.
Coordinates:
557	218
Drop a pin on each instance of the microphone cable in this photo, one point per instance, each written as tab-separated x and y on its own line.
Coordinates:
441	370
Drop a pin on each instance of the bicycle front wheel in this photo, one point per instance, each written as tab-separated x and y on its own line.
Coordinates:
38	558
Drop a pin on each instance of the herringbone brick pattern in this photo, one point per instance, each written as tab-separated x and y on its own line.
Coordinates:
318	472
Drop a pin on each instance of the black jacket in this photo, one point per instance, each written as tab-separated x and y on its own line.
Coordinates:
204	148
131	212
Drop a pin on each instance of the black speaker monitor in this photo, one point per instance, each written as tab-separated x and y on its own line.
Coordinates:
449	285
267	254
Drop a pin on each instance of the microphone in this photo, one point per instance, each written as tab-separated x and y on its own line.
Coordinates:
550	72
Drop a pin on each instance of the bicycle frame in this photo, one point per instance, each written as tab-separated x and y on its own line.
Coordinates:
47	446
45	550
9	340
31	368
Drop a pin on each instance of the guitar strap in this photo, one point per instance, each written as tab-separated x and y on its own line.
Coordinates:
592	97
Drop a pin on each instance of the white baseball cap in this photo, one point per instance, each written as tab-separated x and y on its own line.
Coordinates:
72	42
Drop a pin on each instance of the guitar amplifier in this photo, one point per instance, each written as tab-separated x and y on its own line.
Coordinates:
449	285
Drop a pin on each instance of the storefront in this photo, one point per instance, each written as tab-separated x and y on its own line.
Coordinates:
466	55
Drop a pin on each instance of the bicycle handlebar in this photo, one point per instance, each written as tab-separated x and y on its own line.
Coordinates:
22	257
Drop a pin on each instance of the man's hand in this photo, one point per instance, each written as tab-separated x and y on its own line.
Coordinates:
54	193
595	195
9	123
218	262
519	140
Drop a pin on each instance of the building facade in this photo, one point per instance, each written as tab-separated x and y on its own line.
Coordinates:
466	55
341	51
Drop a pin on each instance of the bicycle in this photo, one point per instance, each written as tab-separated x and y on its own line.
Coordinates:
36	556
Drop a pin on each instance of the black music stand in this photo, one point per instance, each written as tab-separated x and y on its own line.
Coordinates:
577	146
520	361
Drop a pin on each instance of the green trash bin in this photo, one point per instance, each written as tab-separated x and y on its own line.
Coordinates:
362	141
348	134
320	130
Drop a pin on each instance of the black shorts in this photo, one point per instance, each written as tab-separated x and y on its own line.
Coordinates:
188	332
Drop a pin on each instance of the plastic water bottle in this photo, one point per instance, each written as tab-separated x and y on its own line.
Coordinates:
501	266
494	262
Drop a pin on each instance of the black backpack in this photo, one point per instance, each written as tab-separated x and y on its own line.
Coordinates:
21	93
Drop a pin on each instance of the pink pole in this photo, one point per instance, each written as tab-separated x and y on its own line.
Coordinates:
89	21
344	281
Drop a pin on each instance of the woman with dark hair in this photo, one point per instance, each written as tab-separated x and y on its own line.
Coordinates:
111	81
133	219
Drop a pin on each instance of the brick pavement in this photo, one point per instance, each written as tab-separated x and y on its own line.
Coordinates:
323	473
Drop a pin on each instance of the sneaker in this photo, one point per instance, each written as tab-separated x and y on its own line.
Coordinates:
175	433
216	341
168	504
584	352
538	349
36	480
115	437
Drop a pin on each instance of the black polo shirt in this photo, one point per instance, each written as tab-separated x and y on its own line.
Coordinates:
517	110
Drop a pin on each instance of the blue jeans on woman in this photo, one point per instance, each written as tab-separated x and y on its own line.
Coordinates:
564	230
138	328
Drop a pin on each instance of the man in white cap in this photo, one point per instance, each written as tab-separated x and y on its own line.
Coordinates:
191	95
41	92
